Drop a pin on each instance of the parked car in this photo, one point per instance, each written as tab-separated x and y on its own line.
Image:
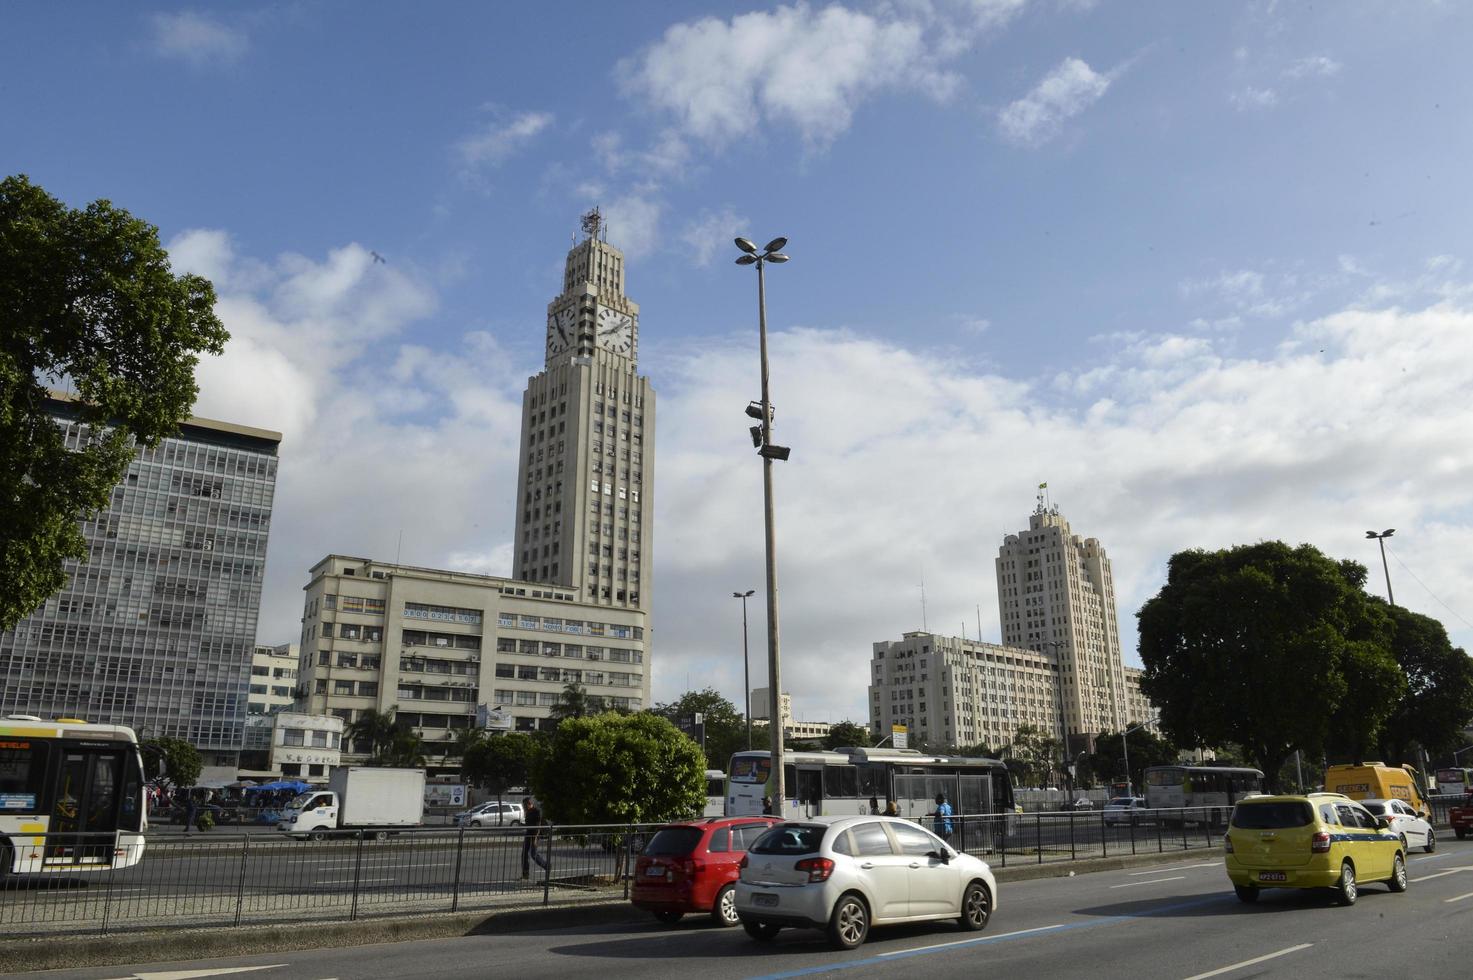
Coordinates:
1322	840
844	874
492	814
1404	821
1126	809
693	867
1460	818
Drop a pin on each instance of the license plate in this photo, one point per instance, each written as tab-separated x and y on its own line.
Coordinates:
654	871
766	901
1272	876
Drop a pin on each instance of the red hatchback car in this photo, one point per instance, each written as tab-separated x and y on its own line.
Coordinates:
692	867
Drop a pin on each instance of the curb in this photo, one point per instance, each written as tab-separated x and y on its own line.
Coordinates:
75	952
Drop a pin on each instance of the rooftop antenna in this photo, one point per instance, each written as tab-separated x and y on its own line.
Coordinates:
591	222
399	548
1042	496
924	629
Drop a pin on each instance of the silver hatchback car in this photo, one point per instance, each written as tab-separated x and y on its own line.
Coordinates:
844	874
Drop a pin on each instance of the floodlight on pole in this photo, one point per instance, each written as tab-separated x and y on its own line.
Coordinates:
746	662
1386	569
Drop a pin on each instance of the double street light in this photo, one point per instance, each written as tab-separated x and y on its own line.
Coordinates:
762	439
1381	540
746	663
1125	744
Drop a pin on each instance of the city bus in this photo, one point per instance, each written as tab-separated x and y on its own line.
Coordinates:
1454	782
865	780
71	796
1175	787
715	793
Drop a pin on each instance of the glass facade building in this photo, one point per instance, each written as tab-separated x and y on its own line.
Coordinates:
156	630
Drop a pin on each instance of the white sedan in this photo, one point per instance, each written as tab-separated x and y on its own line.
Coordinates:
844	874
1404	821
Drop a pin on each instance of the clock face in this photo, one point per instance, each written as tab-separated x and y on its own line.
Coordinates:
615	331
561	327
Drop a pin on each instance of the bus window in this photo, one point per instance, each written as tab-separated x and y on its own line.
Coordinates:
1165	777
840	781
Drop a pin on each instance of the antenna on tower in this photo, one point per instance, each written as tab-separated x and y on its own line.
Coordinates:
591	223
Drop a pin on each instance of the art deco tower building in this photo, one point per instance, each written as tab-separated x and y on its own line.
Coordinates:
585	481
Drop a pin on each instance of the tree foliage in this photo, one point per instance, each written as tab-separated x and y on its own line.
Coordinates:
726	727
846	733
170	762
575	702
1256	644
618	769
1037	752
500	762
1439	697
86	296
1146	749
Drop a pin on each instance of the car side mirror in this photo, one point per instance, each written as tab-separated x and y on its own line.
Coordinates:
1383	823
942	855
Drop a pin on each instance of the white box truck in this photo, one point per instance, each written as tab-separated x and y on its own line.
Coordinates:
358	798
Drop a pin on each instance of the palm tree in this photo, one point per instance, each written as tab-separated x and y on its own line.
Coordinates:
404	750
464	740
377	728
574	703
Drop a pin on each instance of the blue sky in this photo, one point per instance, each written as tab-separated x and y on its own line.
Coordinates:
1200	267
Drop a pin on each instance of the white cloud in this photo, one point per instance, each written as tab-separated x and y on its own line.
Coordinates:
1249	98
1315	66
1063	94
794	66
494	142
197	39
711	231
633	221
903	459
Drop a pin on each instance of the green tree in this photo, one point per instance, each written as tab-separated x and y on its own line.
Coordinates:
373	729
1146	749
1252	644
463	741
726	728
575	702
1037	751
846	733
404	750
85	297
1439	694
501	761
619	769
171	763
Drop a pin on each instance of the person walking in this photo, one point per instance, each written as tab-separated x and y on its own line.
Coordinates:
191	810
942	815
767	806
532	817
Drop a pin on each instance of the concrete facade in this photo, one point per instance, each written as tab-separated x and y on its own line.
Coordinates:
157	629
585	482
305	746
1056	594
273	685
436	644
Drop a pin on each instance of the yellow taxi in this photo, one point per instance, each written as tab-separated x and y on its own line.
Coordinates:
1322	840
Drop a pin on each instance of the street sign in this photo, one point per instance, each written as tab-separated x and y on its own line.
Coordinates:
898	734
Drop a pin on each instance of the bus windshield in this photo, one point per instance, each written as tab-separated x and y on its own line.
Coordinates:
750	769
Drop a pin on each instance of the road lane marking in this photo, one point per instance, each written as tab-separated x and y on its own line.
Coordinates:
1252	962
349	881
1153	881
968	942
1184	867
1457	898
192	974
1440	874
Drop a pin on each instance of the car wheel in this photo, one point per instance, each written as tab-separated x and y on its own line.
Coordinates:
381	835
1247	893
723	910
1431	844
1404	843
669	918
763	932
1461	832
1345	888
976	907
849	925
318	835
1398	882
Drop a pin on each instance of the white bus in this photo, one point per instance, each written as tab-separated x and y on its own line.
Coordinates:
715	793
1455	782
1175	787
71	796
865	780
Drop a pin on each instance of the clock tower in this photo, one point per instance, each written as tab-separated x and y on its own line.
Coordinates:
585	482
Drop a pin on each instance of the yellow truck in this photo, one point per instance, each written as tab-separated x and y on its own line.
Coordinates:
1375	781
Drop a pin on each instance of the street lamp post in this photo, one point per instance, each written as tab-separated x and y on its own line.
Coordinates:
746	663
1381	540
762	438
1125	744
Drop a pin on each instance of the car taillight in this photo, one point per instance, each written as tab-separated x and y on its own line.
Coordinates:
1320	843
818	869
689	866
1227	843
742	863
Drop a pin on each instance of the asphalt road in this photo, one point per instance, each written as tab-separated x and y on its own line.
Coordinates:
1172	922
